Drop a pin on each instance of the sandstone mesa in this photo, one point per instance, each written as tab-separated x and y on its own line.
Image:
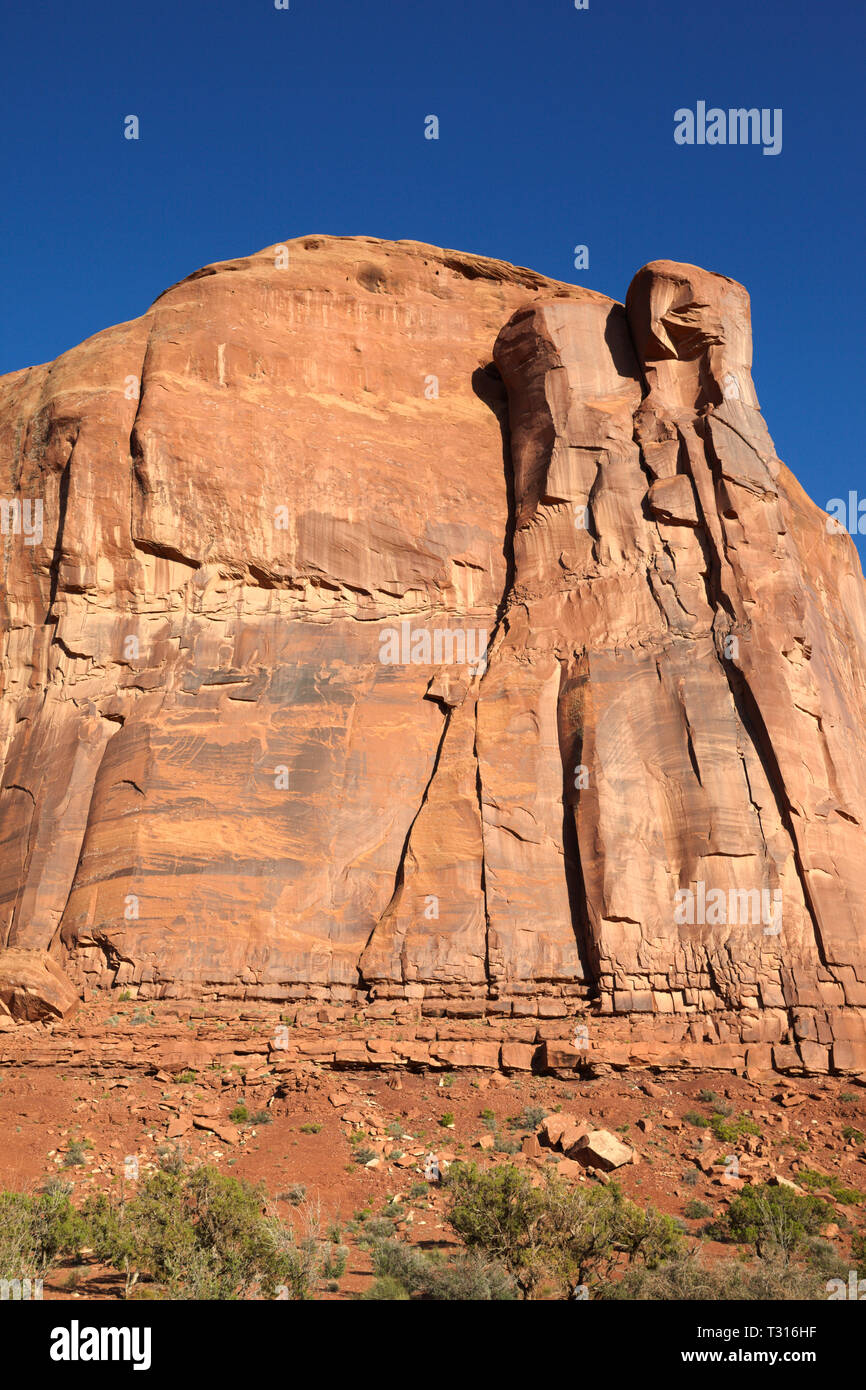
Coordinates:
215	787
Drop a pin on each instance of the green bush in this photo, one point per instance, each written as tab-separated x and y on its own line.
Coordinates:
294	1195
732	1131
695	1210
334	1261
528	1119
503	1145
376	1228
686	1278
468	1277
201	1235
552	1234
848	1196
36	1230
388	1290
76	1154
171	1158
772	1218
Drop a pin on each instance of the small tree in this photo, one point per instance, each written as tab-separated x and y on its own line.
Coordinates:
35	1230
202	1235
773	1219
553	1233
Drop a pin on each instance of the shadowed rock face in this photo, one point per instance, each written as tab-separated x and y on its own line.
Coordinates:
616	746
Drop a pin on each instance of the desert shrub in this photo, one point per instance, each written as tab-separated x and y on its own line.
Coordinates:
171	1158
772	1218
76	1154
400	1262
823	1258
386	1289
503	1145
35	1230
467	1277
334	1262
729	1131
687	1278
848	1196
240	1115
528	1119
553	1234
202	1235
294	1195
695	1210
376	1228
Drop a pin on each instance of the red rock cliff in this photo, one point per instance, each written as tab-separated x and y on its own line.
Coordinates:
405	622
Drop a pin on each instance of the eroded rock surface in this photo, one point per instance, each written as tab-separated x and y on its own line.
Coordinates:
33	987
615	753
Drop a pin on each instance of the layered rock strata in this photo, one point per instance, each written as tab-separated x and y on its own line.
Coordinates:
400	624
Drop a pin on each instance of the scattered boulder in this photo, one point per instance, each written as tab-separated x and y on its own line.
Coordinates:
561	1131
603	1150
33	988
778	1181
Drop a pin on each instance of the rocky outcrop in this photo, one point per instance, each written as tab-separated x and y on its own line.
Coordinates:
406	625
33	988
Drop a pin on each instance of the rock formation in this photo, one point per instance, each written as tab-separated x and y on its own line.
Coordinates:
402	624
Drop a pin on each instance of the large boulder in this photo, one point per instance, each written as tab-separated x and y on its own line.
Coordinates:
33	988
601	1149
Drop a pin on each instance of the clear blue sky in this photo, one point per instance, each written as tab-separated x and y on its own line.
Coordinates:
556	128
